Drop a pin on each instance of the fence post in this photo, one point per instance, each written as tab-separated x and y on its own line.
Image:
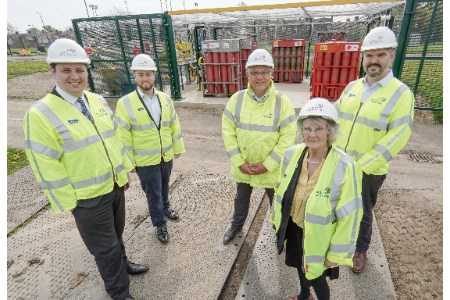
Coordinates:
403	37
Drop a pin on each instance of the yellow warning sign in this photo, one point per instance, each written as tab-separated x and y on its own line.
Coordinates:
324	47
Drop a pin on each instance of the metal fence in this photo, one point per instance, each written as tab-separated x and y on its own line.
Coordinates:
419	61
113	42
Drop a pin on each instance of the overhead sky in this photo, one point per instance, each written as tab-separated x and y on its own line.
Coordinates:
23	14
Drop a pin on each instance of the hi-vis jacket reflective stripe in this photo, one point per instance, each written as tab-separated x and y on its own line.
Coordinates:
71	158
333	211
258	132
375	131
146	143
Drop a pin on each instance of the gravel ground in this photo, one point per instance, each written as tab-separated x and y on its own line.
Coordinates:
409	217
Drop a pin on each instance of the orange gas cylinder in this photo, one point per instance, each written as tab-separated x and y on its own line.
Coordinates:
334	75
209	71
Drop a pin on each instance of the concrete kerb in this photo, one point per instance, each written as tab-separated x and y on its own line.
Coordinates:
268	278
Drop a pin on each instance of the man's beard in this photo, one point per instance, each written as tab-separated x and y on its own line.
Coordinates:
146	87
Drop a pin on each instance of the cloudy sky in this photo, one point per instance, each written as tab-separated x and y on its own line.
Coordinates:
58	13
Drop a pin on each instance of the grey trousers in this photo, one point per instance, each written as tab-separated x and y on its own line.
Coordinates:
101	228
242	203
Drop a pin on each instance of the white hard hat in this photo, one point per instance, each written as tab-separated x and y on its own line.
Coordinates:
143	62
66	51
319	107
259	57
379	38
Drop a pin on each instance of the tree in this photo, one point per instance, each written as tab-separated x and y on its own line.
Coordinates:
33	31
11	29
48	28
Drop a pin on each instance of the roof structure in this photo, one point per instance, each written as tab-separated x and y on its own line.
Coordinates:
340	10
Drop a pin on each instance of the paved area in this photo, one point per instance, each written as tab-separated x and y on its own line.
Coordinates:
47	260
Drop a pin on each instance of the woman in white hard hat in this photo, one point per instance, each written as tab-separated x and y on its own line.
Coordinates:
318	208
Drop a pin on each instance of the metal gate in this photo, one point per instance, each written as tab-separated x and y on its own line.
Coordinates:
419	59
113	42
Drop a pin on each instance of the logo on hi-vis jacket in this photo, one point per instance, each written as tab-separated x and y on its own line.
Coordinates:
101	112
323	193
379	100
74	121
268	116
140	109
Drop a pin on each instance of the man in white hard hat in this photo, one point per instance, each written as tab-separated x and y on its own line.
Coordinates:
81	165
376	114
258	125
149	127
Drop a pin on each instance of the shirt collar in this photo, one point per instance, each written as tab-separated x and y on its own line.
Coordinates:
68	97
141	93
382	81
261	98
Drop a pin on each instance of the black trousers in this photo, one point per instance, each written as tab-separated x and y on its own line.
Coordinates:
101	227
371	184
294	254
242	203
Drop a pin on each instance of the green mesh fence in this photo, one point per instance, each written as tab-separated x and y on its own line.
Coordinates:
420	54
113	42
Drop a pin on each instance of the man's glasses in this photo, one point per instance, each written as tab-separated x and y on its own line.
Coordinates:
256	74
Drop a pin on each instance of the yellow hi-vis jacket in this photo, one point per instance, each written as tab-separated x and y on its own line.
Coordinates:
145	143
71	158
333	210
375	131
258	132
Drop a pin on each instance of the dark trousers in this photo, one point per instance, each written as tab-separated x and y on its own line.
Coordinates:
101	228
155	183
371	184
294	255
242	203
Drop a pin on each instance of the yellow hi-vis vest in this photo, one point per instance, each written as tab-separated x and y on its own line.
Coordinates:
258	132
333	210
71	158
375	131
145	143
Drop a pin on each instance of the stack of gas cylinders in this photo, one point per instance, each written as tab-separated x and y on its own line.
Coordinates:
336	63
224	63
288	58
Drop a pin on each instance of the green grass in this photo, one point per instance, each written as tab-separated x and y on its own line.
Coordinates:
430	86
18	68
16	160
432	48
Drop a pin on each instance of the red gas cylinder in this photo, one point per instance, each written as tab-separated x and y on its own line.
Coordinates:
287	62
318	74
353	72
216	61
343	75
209	71
327	60
276	63
223	67
334	75
236	74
